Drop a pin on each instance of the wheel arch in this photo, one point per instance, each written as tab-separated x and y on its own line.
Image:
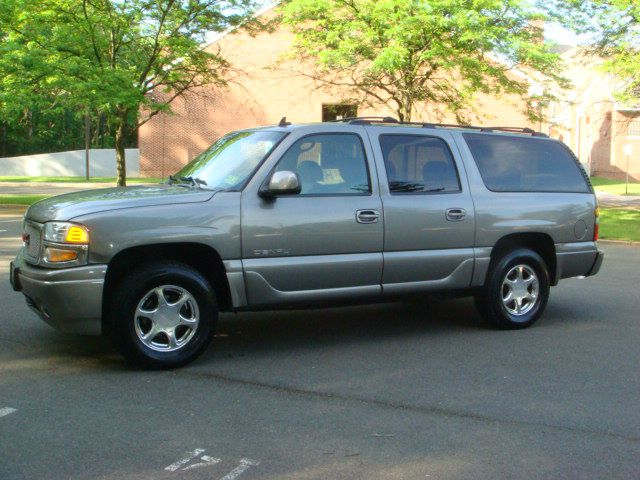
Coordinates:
541	243
203	258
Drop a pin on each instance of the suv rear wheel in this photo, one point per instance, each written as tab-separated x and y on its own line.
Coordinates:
516	290
163	315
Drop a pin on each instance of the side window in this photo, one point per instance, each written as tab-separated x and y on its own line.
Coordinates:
419	164
328	164
513	164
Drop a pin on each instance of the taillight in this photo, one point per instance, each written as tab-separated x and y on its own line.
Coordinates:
596	226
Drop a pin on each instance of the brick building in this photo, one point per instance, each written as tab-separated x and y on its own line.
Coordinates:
268	87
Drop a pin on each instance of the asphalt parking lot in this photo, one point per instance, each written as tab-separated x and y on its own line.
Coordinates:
393	391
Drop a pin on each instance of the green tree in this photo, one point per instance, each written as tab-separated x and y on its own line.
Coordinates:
614	28
401	53
125	59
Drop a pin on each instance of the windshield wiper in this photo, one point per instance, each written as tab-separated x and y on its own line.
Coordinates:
193	181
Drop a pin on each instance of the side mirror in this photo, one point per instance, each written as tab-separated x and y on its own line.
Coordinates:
281	183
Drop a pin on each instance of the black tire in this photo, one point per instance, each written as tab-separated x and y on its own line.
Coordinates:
489	301
136	286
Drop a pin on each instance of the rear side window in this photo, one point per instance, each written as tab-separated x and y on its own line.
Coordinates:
418	164
512	164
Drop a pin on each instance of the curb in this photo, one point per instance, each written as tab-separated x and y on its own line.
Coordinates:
12	208
620	242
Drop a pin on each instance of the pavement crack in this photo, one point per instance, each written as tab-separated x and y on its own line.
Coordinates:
422	409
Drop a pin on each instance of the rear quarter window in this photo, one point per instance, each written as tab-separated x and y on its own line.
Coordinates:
512	164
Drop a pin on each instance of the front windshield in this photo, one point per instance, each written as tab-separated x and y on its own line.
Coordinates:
231	160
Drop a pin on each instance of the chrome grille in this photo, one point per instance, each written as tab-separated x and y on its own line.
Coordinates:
34	232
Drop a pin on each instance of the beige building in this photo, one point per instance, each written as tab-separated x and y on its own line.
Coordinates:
603	133
267	87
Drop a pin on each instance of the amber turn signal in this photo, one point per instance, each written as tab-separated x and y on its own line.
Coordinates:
54	255
77	234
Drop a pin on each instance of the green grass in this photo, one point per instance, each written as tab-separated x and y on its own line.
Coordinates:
76	180
614	186
619	224
20	199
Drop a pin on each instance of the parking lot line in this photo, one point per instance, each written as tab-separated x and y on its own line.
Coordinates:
190	456
7	411
245	463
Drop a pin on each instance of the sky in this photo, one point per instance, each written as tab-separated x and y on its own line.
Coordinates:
560	35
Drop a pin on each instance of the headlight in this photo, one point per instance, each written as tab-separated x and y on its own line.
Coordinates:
65	232
65	244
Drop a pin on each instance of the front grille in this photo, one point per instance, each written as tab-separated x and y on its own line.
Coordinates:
34	231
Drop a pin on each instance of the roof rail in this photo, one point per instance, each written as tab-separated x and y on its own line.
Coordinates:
283	122
371	120
365	120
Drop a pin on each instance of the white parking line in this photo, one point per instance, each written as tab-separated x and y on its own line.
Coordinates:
7	411
190	456
206	461
3	231
245	463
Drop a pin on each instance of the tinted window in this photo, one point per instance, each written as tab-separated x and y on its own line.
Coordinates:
512	164
328	164
418	164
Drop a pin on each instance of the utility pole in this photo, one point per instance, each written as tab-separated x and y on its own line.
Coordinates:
87	142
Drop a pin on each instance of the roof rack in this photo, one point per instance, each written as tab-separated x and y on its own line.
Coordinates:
367	120
372	120
283	122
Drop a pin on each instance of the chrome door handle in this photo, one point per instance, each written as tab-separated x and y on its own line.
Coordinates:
455	214
367	216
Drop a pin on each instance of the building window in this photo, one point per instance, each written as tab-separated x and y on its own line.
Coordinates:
338	111
633	130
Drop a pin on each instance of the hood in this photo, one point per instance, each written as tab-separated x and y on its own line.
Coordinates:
70	205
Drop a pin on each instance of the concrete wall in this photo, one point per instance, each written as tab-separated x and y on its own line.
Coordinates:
102	163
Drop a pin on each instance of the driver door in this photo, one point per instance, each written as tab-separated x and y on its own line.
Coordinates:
325	242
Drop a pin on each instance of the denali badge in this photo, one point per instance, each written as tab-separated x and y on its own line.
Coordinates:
272	252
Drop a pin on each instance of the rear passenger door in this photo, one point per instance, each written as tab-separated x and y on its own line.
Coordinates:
428	211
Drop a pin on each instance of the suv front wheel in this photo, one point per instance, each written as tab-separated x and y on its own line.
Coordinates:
516	290
163	315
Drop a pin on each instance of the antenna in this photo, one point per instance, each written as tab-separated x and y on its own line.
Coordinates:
283	122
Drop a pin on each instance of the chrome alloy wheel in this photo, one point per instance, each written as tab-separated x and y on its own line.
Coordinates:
520	289
166	318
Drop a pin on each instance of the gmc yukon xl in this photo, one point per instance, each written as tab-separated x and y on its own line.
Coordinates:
305	215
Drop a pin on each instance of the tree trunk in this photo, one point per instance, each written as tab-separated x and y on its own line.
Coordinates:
405	111
121	167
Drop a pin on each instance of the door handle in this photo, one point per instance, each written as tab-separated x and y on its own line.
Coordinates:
367	216
455	214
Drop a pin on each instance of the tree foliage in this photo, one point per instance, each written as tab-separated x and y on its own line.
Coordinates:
402	53
614	27
125	59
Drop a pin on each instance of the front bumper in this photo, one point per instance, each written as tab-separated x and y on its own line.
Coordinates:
68	299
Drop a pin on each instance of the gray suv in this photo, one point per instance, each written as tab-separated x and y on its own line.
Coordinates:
308	215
